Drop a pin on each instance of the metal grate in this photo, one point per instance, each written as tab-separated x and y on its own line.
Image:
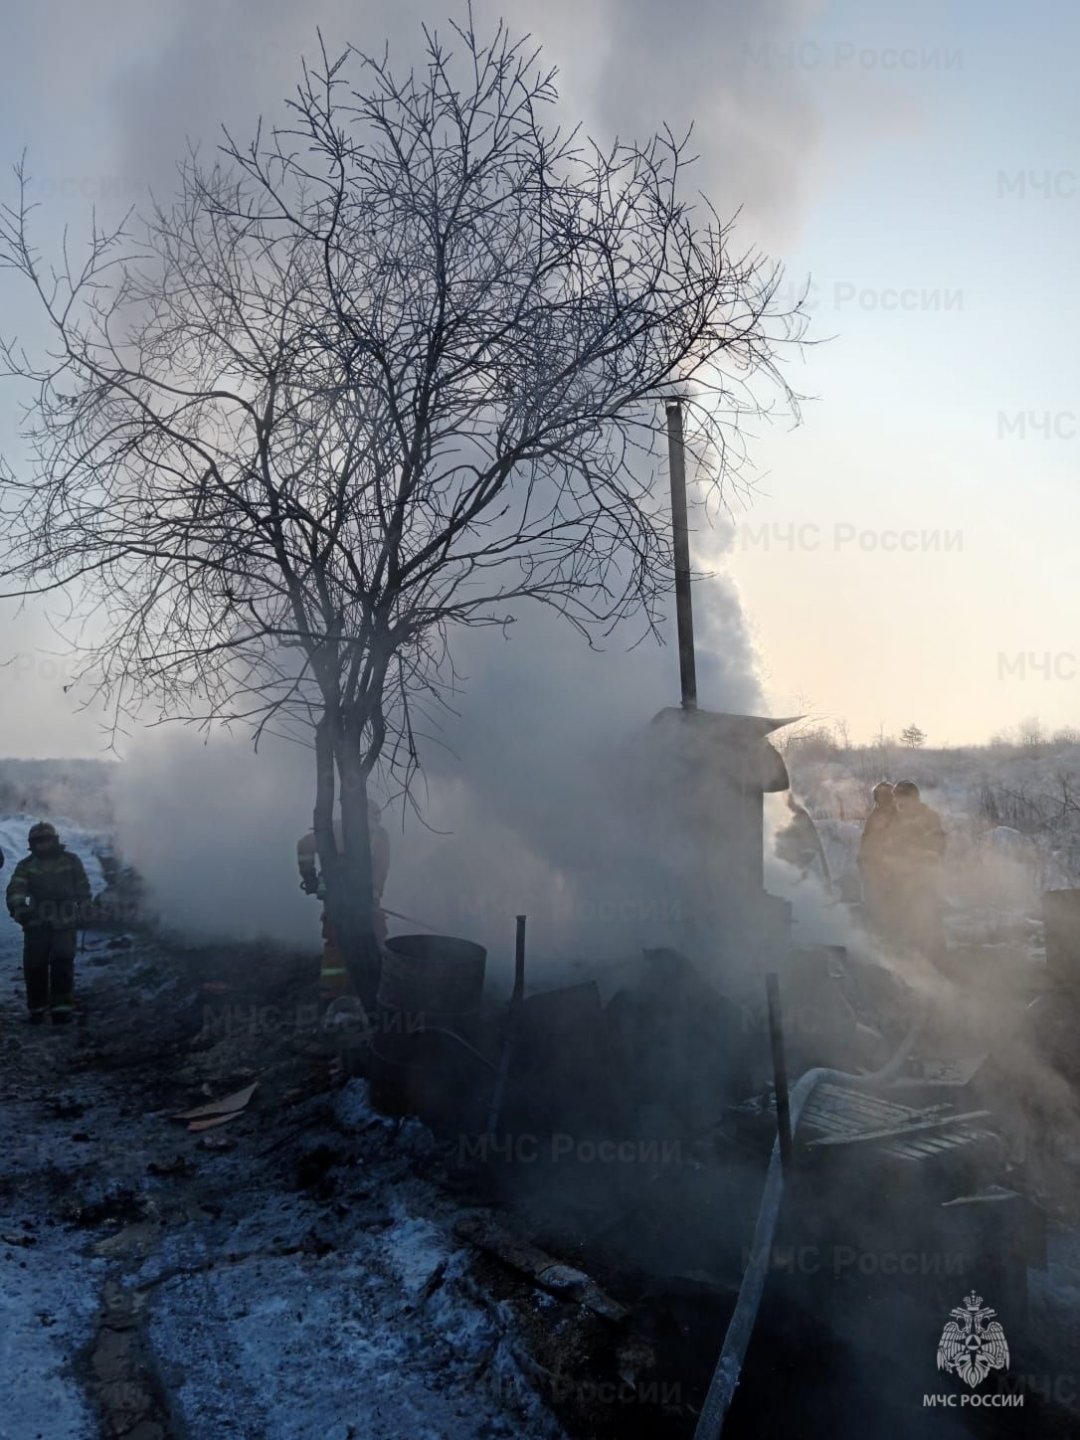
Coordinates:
834	1110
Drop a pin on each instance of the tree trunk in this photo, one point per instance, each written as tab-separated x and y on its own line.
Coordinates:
346	871
361	949
323	820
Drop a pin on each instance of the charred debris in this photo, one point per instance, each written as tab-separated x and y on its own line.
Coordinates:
748	1179
781	1155
627	1136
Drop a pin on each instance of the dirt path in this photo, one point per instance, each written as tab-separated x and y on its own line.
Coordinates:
291	1274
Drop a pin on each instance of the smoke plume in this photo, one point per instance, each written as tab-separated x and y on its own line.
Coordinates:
523	803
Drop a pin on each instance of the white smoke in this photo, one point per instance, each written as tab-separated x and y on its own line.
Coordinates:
521	805
213	827
525	802
626	67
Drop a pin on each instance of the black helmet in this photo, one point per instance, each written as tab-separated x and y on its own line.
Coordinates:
881	790
905	790
41	831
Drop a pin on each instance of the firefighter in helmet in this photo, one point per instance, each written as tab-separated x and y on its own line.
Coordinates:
916	845
49	896
873	859
334	975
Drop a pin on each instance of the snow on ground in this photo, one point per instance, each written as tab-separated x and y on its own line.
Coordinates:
379	1339
50	1290
270	1311
48	1299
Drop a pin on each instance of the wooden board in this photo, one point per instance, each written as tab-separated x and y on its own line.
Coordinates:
227	1105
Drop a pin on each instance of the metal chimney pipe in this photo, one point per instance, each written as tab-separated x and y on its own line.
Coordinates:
683	611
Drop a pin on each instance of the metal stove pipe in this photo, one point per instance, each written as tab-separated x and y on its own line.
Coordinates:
681	542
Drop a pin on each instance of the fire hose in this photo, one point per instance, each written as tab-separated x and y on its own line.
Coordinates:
725	1378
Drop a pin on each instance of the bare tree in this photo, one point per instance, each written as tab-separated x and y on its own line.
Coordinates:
913	737
389	368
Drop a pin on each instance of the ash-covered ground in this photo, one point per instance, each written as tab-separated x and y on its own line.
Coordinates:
313	1268
290	1274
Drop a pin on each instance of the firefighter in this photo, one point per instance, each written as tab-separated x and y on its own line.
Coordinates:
916	844
799	843
49	896
873	862
334	975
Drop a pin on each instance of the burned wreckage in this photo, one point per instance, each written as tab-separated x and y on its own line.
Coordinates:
651	1137
645	1131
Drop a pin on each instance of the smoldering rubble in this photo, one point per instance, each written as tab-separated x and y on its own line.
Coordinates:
533	1208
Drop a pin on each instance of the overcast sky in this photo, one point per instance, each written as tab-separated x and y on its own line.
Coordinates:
912	538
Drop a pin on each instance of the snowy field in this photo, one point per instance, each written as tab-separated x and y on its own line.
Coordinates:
1011	817
1033	794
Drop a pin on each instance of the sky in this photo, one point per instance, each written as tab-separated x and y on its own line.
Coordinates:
906	553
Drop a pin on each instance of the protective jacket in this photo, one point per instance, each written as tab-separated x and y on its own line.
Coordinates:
307	857
916	842
49	891
334	972
875	837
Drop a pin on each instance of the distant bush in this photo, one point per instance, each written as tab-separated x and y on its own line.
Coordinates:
817	742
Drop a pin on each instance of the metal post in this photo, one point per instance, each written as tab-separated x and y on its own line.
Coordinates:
510	1033
680	536
776	1036
519	962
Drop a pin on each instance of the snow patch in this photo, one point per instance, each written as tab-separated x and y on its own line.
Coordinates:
415	1248
48	1303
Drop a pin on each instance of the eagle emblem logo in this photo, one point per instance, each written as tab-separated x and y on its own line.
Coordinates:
973	1342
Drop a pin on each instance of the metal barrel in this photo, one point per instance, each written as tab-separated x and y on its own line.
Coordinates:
433	979
400	1075
427	983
